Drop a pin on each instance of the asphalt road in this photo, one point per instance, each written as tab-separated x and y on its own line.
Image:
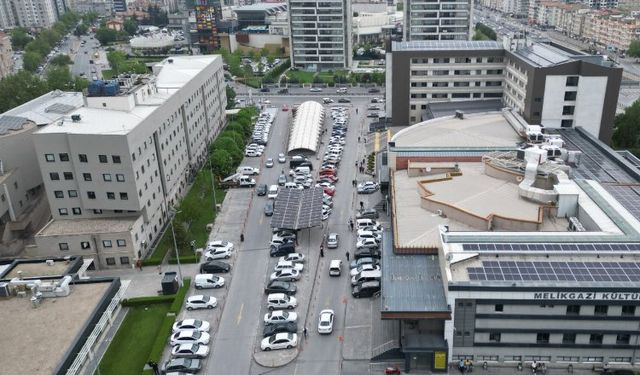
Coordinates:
82	55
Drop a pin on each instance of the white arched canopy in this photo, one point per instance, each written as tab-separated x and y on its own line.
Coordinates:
306	127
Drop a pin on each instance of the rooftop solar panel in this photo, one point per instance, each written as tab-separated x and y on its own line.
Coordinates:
9	123
553	247
59	108
297	209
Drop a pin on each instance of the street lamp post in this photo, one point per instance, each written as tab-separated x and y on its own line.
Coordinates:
213	187
175	247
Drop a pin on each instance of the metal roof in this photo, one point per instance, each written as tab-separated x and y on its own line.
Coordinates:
446	45
410	283
11	123
298	209
306	127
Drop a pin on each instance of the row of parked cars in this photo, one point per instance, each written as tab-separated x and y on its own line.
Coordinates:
365	269
260	135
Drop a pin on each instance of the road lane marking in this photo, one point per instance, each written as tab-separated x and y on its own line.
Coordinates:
240	314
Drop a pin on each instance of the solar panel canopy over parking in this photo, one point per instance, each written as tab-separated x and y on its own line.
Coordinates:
298	209
547	247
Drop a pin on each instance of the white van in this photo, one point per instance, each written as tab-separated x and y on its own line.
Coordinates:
276	301
335	267
273	192
365	276
208	280
249	171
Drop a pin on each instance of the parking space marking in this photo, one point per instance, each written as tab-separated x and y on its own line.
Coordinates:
240	314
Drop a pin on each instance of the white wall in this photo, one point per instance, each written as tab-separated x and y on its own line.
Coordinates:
553	101
589	104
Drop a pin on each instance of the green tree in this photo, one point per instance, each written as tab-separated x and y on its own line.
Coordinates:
19	38
264	52
634	48
79	84
39	46
81	29
49	36
236	131
228	144
59	78
89	17
31	60
20	88
106	36
251	54
130	26
627	128
221	162
480	36
61	60
231	97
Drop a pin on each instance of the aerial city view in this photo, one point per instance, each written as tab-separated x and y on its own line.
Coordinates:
319	187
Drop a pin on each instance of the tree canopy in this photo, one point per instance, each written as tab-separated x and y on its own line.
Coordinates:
106	35
20	88
634	48
627	129
20	38
484	32
61	60
130	26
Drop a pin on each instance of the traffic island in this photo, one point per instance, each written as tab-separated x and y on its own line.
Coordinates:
276	358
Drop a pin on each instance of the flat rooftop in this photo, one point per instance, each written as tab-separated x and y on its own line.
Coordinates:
48	107
40	269
486	130
446	45
42	336
87	226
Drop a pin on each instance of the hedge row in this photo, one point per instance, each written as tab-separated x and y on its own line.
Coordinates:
142	301
179	297
161	339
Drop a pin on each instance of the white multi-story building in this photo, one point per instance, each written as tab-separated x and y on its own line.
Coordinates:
115	167
438	20
320	34
28	13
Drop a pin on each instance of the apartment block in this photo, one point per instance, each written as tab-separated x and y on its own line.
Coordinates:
545	84
610	30
115	167
28	13
6	55
102	7
437	20
320	34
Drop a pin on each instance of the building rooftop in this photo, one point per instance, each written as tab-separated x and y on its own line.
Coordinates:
42	110
445	45
37	269
269	8
87	226
45	333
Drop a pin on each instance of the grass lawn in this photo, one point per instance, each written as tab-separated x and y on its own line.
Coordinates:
302	76
132	344
107	74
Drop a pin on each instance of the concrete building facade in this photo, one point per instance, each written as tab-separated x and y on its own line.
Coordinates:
28	13
320	34
112	174
438	20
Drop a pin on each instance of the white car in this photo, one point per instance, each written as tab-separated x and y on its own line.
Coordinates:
218	253
189	337
287	264
285	274
315	89
293	257
369	234
191	324
220	244
364	267
281	158
201	302
280	316
333	240
190	351
368	243
272	193
325	322
367	187
269	163
252	153
284	340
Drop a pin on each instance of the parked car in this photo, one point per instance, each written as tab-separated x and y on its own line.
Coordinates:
280	301
367	187
217	253
215	266
261	190
325	322
279	341
287	264
190	351
367	243
368	213
191	324
189	337
365	267
268	208
184	365
269	163
285	274
281	158
366	260
207	280
293	257
333	240
219	244
282	250
344	100
368	289
201	302
272	329
280	316
277	286
366	253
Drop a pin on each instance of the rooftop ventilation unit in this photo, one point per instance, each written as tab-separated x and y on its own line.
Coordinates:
575	225
75	118
459	114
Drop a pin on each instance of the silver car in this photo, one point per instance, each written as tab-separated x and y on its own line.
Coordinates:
333	240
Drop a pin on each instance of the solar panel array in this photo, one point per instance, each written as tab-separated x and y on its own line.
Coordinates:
555	271
547	247
8	123
423	45
298	209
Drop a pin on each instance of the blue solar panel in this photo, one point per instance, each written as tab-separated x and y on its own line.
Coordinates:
546	247
555	271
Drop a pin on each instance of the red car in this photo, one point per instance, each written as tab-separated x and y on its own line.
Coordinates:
285	108
327	172
329	177
329	191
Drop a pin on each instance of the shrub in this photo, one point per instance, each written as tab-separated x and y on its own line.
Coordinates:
161	340
179	297
143	301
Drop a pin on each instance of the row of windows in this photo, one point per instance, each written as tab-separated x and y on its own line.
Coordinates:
86	245
567	338
457	84
107	177
63	156
457	72
457	60
112	261
598	310
539	358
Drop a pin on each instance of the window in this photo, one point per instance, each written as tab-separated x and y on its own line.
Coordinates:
494	337
115	159
63	211
566	123
106	176
542	338
85	245
570	95
76	211
68	175
567	359
106	243
499	307
628	310
54	176
111	261
63	156
121	243
91	194
49	158
623	339
111	195
83	158
573	310
58	194
72	193
592	359
600	310
512	358
124	196
119	177
86	176
620	359
97	212
568	110
595	339
569	338
102	158
124	260
572	81
63	246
